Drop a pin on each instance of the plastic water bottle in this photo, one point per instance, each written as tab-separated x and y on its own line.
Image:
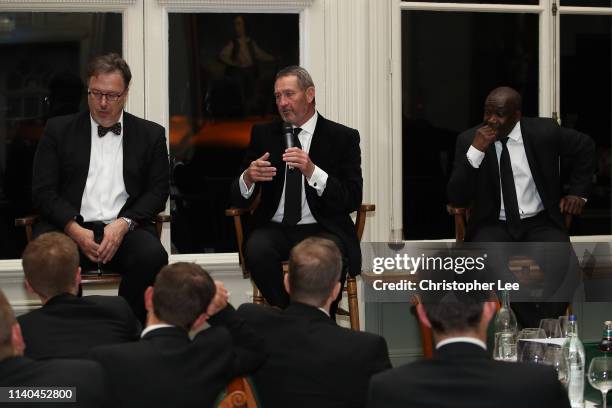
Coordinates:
573	350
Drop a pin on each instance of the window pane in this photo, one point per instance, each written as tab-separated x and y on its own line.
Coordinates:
446	75
586	88
222	69
41	76
587	3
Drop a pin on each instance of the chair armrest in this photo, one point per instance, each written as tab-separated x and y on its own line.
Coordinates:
28	220
233	212
367	207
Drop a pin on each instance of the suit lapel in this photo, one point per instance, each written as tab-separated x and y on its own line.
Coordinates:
127	142
82	142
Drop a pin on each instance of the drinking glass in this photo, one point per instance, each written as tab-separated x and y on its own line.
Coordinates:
553	356
551	328
600	375
528	333
532	352
505	346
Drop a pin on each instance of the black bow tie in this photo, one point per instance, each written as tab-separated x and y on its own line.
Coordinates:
116	129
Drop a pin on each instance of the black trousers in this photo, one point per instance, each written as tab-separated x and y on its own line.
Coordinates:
267	247
557	264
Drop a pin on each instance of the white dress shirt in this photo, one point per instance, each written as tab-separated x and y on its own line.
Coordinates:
318	180
529	201
152	327
471	340
104	193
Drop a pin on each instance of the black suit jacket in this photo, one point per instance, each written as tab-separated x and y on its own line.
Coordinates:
463	375
546	143
69	326
61	165
335	149
167	369
312	362
86	376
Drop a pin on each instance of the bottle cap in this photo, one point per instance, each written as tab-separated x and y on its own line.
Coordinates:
572	318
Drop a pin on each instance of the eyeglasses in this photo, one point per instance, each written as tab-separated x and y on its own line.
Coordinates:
113	97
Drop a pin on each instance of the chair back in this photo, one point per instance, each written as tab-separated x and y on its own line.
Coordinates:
239	393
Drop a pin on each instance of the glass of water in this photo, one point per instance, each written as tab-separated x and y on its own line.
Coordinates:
600	375
505	346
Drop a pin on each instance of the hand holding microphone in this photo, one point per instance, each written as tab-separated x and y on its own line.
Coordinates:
294	156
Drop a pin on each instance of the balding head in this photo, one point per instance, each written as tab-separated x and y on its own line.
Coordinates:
509	96
314	271
502	110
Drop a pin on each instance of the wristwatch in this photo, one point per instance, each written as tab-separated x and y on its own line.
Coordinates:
131	224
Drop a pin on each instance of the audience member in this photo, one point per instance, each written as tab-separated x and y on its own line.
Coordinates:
168	369
68	325
86	377
101	176
313	362
461	372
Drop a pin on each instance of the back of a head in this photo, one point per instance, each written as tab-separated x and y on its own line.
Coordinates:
50	263
182	292
314	269
453	312
7	321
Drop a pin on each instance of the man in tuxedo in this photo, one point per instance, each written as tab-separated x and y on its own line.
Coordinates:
101	176
19	371
168	369
312	361
307	189
461	372
67	325
507	171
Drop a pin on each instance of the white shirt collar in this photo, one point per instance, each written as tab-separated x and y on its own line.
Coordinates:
310	124
94	124
154	327
464	339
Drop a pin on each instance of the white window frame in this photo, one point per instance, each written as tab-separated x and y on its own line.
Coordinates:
548	95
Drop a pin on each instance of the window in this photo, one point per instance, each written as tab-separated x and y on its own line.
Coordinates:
41	76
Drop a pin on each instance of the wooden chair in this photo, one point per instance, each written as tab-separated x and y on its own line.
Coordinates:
239	393
351	283
96	276
523	267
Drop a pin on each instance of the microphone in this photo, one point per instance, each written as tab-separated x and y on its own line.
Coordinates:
288	137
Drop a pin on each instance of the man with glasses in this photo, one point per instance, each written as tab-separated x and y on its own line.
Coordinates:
101	176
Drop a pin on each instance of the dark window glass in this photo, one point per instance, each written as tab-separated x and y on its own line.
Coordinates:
42	72
587	3
222	69
450	62
523	2
586	88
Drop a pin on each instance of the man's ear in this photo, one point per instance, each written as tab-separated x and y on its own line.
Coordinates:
199	321
148	299
17	340
29	287
423	315
310	94
286	282
489	309
77	278
336	290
